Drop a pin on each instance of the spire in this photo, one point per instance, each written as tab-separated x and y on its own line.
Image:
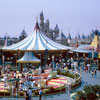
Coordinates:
37	25
41	14
69	36
42	17
6	41
96	32
63	37
79	37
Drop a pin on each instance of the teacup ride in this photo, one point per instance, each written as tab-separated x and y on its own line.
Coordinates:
29	84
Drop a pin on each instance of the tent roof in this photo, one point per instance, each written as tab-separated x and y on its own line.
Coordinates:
28	58
95	41
36	41
82	49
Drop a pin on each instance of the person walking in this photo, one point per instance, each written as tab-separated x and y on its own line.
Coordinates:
40	94
27	96
14	75
92	72
30	93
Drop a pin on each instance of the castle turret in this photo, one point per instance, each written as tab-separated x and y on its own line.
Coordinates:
47	24
83	36
42	17
22	35
41	21
79	37
69	36
56	31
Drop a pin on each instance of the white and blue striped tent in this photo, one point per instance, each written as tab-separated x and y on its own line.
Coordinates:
28	58
36	41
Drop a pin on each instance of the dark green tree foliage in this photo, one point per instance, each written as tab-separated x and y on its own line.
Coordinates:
89	92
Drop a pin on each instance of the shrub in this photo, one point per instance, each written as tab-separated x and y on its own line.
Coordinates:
60	89
80	95
76	84
58	71
51	89
36	92
46	91
65	73
70	75
21	93
90	92
63	88
6	93
57	90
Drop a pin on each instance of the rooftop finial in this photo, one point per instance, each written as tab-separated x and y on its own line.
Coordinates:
37	26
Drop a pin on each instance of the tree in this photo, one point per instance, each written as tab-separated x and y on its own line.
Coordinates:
81	95
89	92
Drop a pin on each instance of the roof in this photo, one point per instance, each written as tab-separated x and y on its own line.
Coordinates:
95	41
82	49
28	58
36	41
61	37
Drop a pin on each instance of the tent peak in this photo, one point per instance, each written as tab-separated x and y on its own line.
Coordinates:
37	25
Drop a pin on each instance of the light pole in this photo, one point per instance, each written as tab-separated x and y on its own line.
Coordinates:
40	70
15	58
53	61
3	63
60	75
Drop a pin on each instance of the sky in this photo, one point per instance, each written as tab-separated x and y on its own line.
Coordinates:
81	16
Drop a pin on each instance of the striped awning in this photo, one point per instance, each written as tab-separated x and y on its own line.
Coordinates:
28	58
36	41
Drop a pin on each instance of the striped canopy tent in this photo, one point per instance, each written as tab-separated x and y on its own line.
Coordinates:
95	42
28	58
36	41
82	49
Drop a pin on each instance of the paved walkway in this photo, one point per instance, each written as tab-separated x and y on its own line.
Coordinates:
86	79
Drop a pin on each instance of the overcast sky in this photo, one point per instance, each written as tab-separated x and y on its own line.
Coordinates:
82	15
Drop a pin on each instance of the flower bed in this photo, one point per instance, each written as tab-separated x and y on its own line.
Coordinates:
77	82
50	90
66	73
46	91
74	76
4	93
